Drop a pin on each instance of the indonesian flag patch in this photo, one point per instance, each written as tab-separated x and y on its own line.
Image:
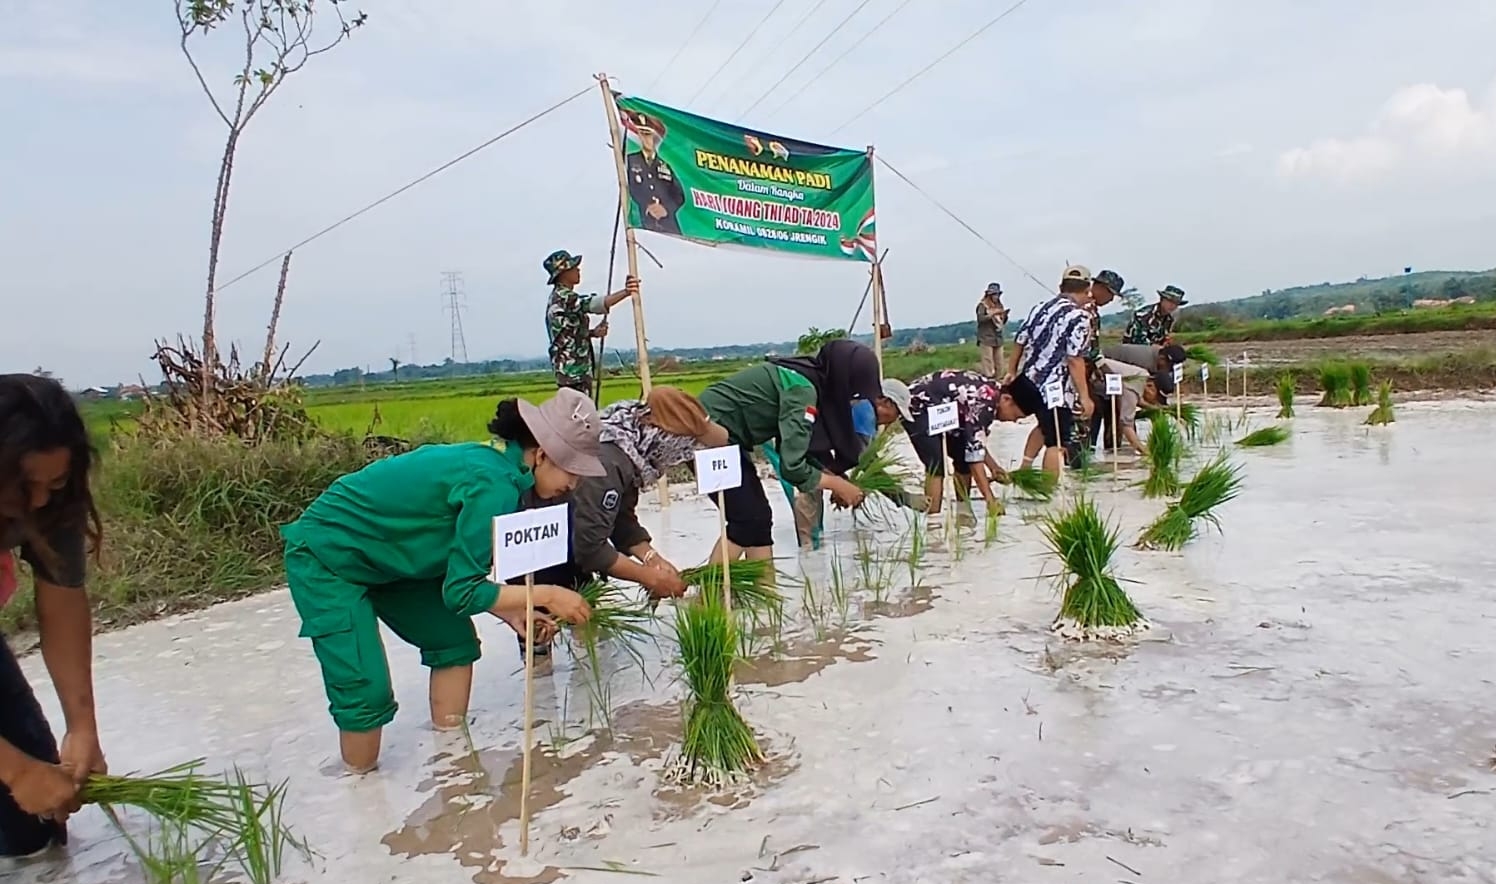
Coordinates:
810	414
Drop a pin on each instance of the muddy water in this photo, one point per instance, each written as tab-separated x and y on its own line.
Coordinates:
1313	703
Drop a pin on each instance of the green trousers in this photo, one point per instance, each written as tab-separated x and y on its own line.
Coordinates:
342	620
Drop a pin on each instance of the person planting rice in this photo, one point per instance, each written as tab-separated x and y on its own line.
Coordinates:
641	441
801	404
1141	385
1104	289
1050	347
867	419
409	541
979	402
48	521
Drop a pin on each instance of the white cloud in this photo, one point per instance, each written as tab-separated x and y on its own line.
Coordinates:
1418	124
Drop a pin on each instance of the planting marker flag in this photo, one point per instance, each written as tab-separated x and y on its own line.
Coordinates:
717	183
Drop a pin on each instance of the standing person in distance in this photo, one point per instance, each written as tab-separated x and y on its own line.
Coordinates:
1051	348
47	515
991	317
1154	324
802	405
569	331
1105	288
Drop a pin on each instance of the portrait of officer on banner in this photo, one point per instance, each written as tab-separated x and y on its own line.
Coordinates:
653	188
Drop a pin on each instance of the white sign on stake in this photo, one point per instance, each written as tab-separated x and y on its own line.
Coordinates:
529	540
1205	372
718	469
1054	394
943	418
1114	385
1178	374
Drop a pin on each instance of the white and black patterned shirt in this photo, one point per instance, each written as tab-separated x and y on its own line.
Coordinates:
1054	332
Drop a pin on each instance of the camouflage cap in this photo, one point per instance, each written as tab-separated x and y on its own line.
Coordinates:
1173	293
1112	280
559	262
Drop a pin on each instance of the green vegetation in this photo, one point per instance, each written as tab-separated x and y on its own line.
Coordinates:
1360	383
1335	380
1085	544
1033	483
1165	452
880	469
1264	437
1202	353
1382	414
1217	482
717	742
1286	383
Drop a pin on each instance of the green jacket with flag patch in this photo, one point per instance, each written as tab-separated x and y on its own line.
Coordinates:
769	403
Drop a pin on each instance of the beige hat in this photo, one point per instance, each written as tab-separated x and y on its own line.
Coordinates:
566	427
1077	271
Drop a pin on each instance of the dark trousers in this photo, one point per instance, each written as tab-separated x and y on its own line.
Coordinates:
23	725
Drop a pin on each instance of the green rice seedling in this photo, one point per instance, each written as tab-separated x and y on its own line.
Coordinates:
1286	389
1217	482
197	816
880	470
1165	451
717	743
1202	353
1085	545
616	617
1274	435
1033	484
1186	414
1335	379
1215	427
1360	384
914	550
1382	414
813	607
989	527
752	587
841	593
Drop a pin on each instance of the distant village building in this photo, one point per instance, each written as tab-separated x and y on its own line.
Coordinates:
1435	303
1342	310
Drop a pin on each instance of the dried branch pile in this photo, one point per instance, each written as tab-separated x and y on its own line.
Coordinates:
254	404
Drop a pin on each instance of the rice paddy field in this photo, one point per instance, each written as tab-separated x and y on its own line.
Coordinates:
1305	695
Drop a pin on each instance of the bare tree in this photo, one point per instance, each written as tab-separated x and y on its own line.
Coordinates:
278	41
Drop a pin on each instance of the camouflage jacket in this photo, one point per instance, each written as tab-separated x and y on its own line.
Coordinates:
1149	325
570	332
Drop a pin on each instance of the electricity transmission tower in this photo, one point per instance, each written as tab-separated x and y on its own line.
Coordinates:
453	301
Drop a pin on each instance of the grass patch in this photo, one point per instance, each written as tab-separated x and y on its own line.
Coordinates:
1217	483
1286	389
1085	545
1264	437
1382	414
1165	451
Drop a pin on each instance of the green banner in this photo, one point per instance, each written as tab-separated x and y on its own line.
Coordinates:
715	183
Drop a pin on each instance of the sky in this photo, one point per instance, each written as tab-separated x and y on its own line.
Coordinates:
1223	147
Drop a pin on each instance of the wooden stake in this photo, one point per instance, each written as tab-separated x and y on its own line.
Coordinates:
632	250
524	794
878	313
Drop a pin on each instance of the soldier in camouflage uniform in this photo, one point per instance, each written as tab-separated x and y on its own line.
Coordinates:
1154	324
566	322
1105	287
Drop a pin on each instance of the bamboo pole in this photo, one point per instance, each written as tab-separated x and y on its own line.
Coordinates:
878	318
631	247
524	794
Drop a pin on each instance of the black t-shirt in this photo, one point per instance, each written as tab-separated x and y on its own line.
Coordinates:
69	551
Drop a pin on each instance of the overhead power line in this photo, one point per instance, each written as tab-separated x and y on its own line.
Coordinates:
845	52
426	177
683	46
927	68
806	57
794	28
957	218
734	54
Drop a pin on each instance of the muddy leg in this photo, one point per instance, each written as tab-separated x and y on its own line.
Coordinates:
360	749
451	691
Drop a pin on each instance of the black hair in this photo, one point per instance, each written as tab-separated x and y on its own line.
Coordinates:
1174	353
508	424
1025	394
1072	286
37	414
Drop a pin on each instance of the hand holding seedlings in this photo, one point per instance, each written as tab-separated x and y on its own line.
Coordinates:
40	789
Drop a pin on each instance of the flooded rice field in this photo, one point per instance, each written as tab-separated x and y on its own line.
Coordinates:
1313	702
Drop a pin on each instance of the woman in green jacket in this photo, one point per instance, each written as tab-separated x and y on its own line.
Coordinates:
409	541
801	404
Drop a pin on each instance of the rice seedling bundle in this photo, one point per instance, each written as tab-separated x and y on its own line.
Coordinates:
717	745
880	470
1202	353
200	818
1217	482
1382	414
616	615
1264	437
752	584
1286	389
1033	483
1186	414
1094	604
1165	450
1360	383
1335	379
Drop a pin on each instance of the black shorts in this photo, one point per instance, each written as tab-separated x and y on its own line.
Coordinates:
933	451
750	521
23	725
1047	426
